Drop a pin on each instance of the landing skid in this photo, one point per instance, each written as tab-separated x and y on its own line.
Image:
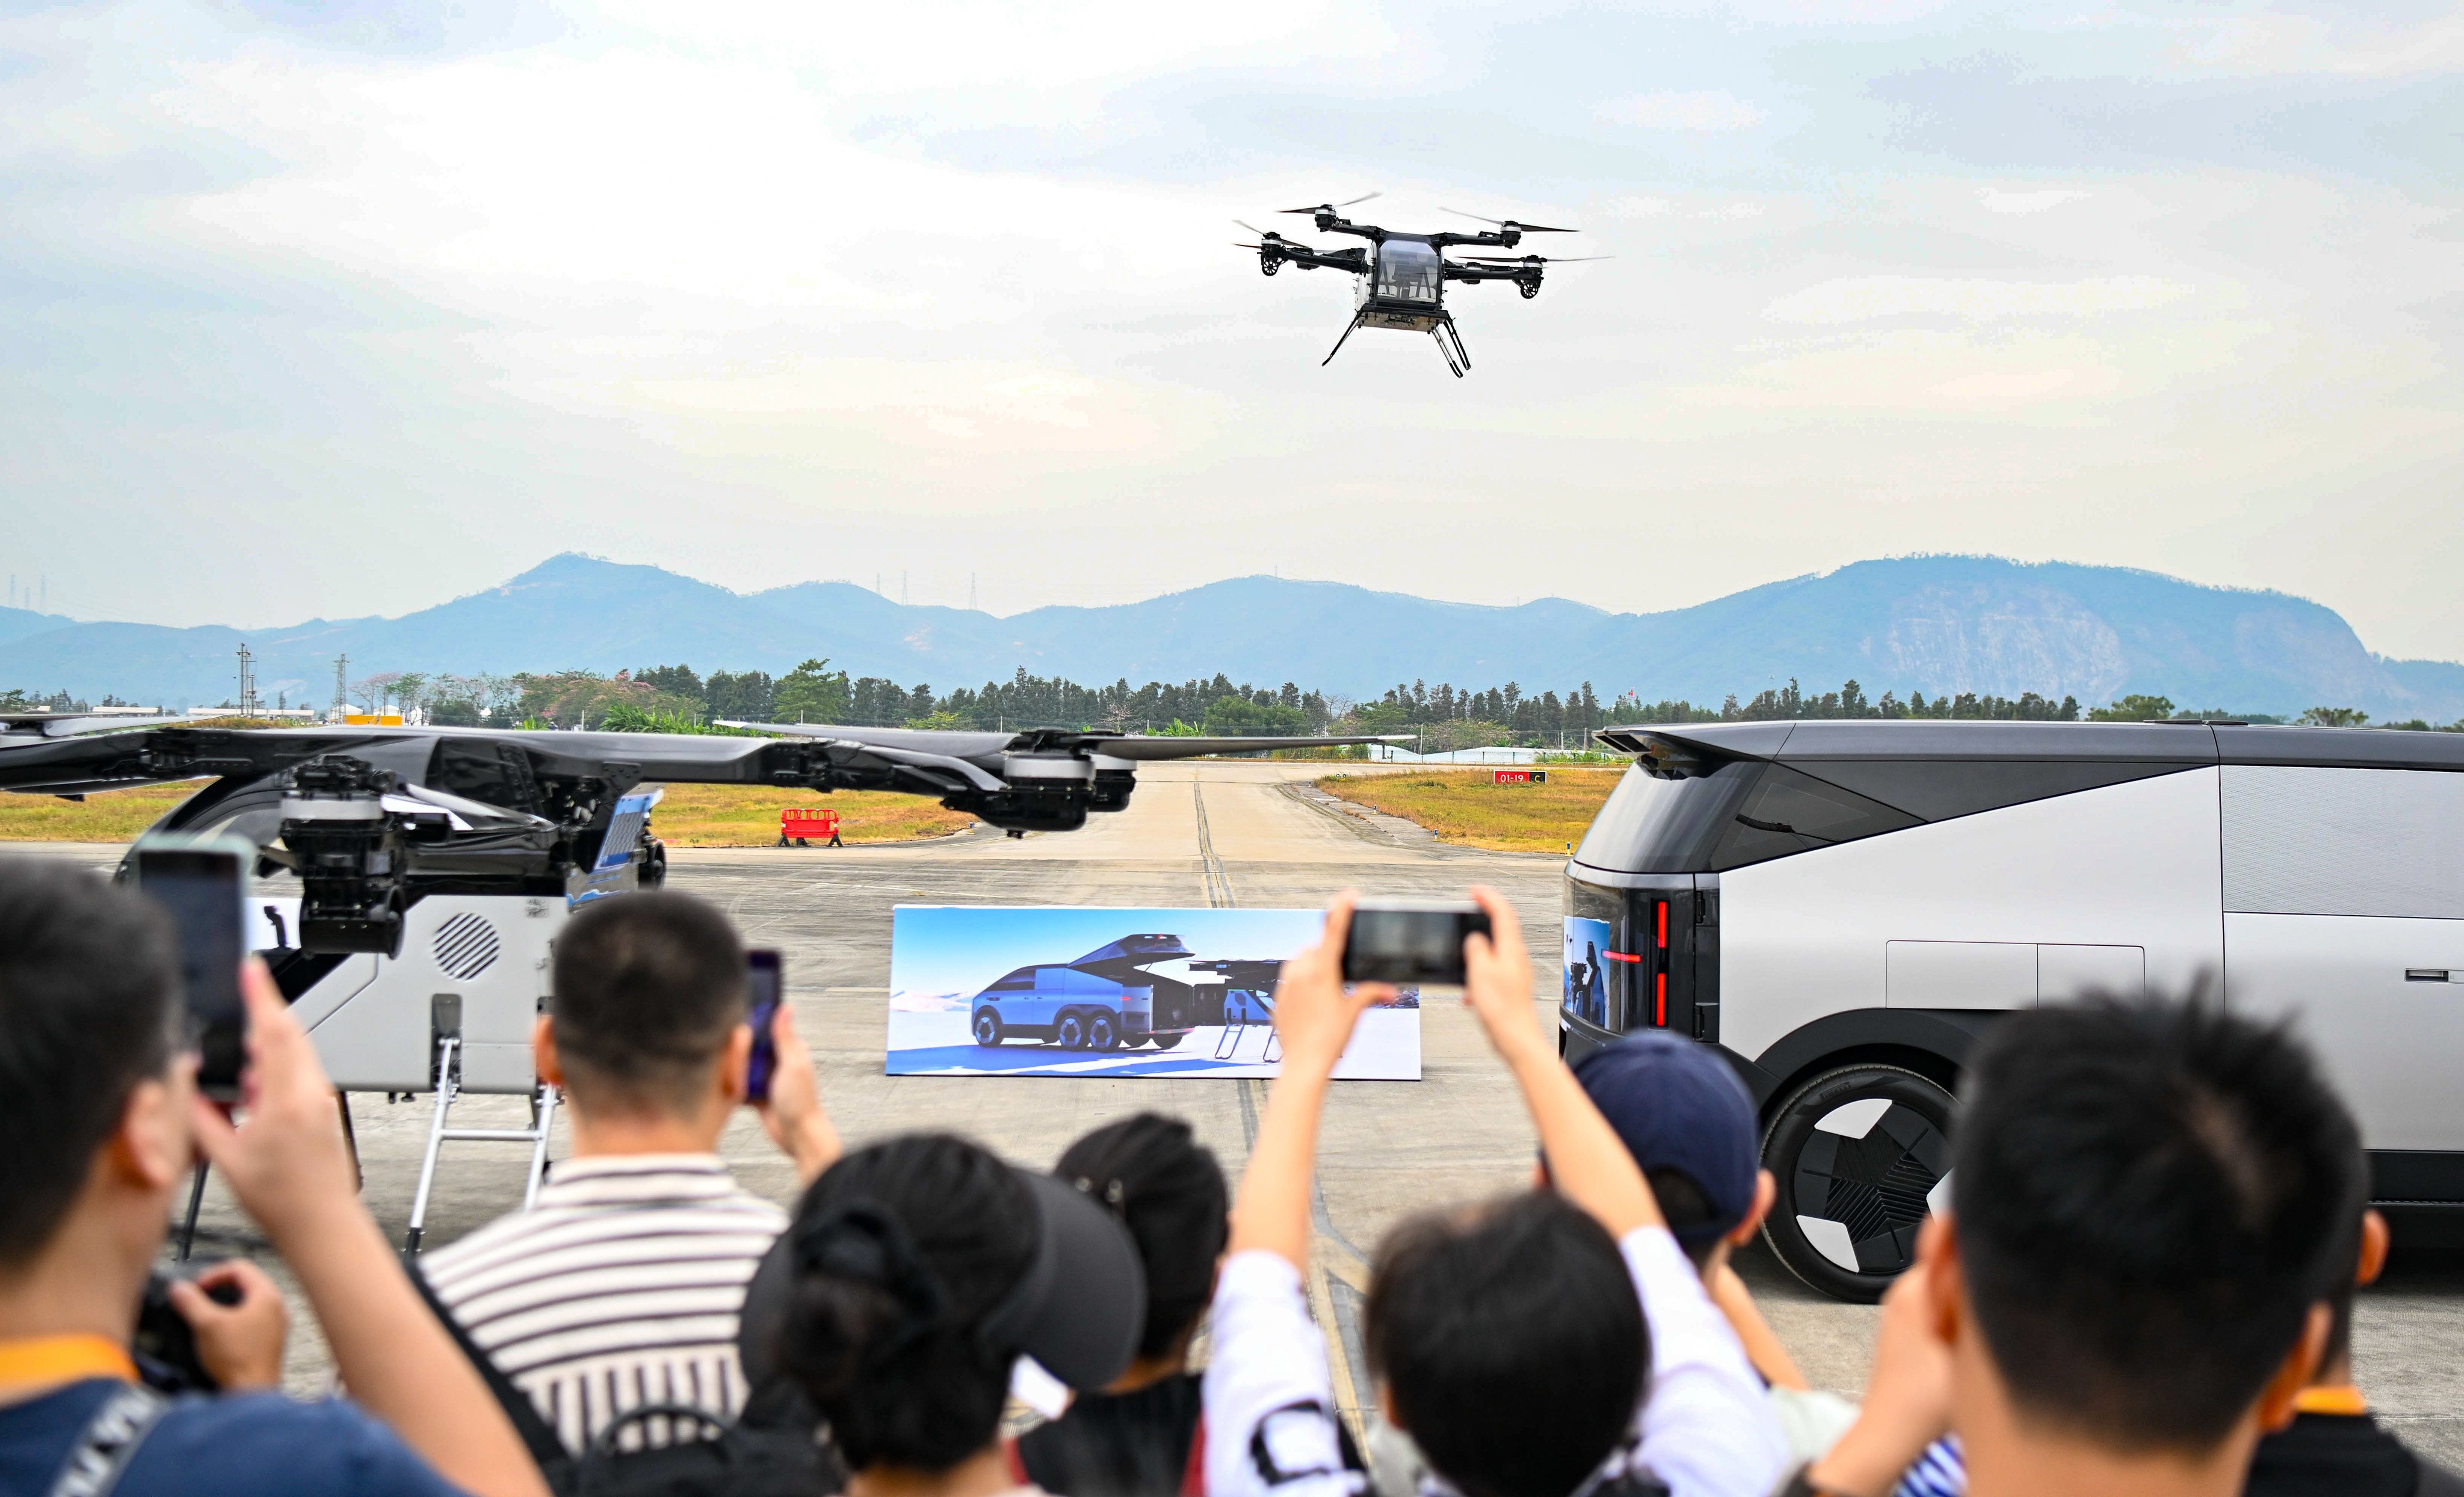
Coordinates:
1340	342
1448	338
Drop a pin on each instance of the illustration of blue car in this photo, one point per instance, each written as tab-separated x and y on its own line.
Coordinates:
1103	1001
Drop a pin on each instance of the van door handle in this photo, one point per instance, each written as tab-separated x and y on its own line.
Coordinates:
2425	974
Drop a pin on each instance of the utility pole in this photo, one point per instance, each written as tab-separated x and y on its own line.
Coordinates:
247	681
341	703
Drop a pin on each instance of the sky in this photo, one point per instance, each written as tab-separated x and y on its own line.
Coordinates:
332	309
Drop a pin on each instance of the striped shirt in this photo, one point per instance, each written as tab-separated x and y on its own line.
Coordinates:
620	1288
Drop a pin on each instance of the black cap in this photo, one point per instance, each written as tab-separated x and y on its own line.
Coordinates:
1677	1104
1078	1309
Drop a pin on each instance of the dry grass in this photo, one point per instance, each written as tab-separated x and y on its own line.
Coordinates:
747	816
1468	806
105	816
690	816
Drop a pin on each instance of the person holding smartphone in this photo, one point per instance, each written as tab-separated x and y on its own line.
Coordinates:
1545	1343
100	1122
621	1288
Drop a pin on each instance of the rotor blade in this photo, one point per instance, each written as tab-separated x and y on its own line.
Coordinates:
1538	259
1155	748
1528	228
1329	208
1254	228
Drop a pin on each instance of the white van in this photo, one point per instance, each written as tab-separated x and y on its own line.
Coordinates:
1845	908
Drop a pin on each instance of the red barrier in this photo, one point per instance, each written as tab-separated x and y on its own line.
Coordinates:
801	822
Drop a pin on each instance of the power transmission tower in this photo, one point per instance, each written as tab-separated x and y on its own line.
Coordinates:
247	682
341	703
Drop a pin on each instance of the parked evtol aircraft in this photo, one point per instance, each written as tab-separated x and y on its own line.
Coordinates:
415	878
1845	908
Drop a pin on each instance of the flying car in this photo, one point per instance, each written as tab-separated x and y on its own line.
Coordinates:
1403	276
411	881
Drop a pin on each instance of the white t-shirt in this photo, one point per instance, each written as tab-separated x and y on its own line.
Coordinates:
1706	1429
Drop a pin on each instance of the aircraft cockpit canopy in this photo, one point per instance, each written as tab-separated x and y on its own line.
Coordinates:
1407	270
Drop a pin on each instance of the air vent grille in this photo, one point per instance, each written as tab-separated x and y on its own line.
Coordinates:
466	946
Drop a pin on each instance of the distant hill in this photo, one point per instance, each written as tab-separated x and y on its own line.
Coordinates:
1929	624
18	623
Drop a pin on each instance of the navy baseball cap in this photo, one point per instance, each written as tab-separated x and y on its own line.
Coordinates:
1678	1106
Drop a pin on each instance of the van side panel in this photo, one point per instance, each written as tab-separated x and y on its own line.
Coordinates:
2130	864
2344	893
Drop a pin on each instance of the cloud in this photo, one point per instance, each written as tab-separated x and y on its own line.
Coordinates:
1863	298
2036	202
1711	111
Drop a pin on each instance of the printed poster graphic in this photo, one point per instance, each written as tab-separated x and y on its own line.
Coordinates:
979	990
1587	979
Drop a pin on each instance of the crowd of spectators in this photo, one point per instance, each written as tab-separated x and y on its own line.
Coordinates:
2144	1284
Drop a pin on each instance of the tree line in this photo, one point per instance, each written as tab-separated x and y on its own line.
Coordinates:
678	699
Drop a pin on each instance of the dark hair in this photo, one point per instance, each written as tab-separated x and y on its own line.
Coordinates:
1169	1190
647	988
902	1249
1688	1211
89	1007
2150	1199
1511	1341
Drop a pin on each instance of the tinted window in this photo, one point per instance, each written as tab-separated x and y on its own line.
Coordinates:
1654	825
1938	789
1790	812
499	774
2384	842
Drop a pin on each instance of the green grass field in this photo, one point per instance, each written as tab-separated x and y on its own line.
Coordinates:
1468	806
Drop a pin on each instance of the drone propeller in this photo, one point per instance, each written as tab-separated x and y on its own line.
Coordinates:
1508	223
1539	259
1271	240
1328	208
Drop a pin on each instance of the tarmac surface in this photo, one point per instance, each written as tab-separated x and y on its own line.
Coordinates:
1233	833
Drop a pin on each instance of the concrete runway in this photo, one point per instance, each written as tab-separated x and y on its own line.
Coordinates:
1246	833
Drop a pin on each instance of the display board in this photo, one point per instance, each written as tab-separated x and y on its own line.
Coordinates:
1071	991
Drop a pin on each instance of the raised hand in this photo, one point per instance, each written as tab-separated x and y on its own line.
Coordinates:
1314	1013
287	1162
1496	980
793	1114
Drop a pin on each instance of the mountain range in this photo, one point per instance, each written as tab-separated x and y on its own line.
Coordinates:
1932	624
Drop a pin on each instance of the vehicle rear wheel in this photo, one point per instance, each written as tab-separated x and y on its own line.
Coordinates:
988	1026
1165	1041
1101	1035
1860	1154
1070	1033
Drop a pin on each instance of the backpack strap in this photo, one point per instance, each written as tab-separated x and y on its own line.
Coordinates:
542	1441
2433	1480
109	1441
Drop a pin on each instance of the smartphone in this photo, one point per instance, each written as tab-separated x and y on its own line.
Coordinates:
1410	941
763	982
203	885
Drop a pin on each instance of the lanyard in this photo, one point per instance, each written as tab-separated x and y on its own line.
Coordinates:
2346	1399
63	1358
